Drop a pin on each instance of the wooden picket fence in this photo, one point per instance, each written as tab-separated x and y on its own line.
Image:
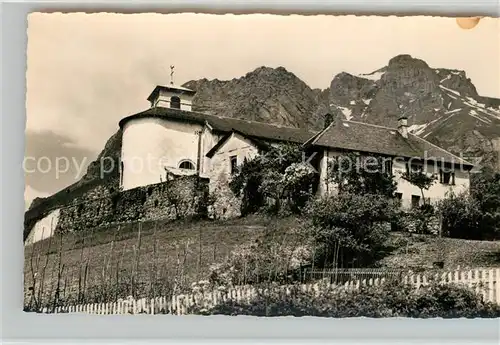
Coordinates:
483	281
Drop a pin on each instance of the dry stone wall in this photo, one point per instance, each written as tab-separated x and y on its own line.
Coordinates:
104	205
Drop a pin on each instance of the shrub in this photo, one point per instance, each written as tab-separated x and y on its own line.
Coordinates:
259	262
350	229
274	179
465	217
421	218
357	174
388	300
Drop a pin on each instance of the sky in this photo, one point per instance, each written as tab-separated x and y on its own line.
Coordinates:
87	71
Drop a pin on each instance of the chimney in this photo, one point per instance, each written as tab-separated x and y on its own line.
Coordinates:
403	126
329	118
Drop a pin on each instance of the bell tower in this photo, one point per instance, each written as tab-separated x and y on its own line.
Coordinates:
171	95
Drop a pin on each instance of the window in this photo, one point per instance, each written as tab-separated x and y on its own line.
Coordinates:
447	177
121	173
399	198
186	165
175	102
415	200
414	168
233	164
388	167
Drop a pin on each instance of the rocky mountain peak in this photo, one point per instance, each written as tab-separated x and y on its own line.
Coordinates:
406	61
274	76
265	71
457	80
442	105
265	94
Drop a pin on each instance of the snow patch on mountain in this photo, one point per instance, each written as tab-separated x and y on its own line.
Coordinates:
446	78
450	90
372	76
417	129
474	114
347	113
420	129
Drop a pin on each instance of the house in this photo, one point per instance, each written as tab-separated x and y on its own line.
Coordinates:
169	139
398	150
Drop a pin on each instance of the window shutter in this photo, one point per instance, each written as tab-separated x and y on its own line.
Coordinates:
453	178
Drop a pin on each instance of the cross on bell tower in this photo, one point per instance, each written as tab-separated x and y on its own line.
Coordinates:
171	95
172	74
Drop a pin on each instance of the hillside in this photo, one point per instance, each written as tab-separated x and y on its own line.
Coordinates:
184	251
443	107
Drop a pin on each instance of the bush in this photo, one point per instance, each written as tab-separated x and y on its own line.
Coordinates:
274	179
358	174
274	258
351	229
388	300
421	218
474	215
464	217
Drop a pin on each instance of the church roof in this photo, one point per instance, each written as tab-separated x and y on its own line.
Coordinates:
171	88
248	128
364	137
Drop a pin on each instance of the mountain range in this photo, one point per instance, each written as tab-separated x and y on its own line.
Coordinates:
442	106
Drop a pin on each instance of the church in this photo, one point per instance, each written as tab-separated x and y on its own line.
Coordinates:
170	152
169	140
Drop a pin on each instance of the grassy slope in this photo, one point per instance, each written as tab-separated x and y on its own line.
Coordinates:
111	250
420	251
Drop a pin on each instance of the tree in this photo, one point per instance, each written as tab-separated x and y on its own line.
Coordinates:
462	216
485	188
246	184
421	215
351	229
277	175
357	174
474	215
419	179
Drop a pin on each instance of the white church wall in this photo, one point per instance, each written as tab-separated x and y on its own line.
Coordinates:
44	228
227	204
151	144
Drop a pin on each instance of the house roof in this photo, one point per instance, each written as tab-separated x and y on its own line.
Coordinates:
251	129
171	88
364	137
225	138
